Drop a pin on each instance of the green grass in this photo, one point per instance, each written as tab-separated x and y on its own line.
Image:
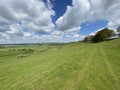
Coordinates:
75	66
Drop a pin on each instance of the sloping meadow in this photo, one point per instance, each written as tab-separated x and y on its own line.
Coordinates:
74	66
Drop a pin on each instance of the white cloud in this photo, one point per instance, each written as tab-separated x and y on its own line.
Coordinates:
73	37
57	33
27	34
73	30
88	10
19	15
30	20
4	28
114	24
76	36
27	12
15	29
74	15
4	36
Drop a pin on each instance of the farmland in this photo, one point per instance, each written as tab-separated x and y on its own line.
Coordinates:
73	66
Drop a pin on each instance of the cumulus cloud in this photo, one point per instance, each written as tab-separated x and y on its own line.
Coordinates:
35	16
15	29
74	15
27	34
31	15
88	10
114	23
31	21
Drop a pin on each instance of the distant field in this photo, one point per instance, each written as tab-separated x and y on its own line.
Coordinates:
74	66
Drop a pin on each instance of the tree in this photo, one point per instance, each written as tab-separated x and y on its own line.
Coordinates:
118	30
102	35
88	38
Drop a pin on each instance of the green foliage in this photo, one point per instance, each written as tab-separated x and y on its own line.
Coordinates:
103	35
27	50
2	47
88	38
118	30
10	53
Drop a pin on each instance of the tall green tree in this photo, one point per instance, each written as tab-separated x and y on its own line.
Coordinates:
102	35
118	30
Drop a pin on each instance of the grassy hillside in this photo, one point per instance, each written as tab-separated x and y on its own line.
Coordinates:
75	66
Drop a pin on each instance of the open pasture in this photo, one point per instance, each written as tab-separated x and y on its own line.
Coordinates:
73	66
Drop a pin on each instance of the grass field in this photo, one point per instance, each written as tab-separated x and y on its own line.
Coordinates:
74	66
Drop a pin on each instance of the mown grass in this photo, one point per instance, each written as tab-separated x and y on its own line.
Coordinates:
75	66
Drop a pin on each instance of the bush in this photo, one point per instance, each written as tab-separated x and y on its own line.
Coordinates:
27	50
2	47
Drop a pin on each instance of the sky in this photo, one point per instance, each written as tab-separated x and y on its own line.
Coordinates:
39	21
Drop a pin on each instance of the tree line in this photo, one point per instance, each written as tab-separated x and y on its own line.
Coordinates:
102	35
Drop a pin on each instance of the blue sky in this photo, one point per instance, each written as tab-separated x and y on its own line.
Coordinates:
55	20
59	6
90	27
